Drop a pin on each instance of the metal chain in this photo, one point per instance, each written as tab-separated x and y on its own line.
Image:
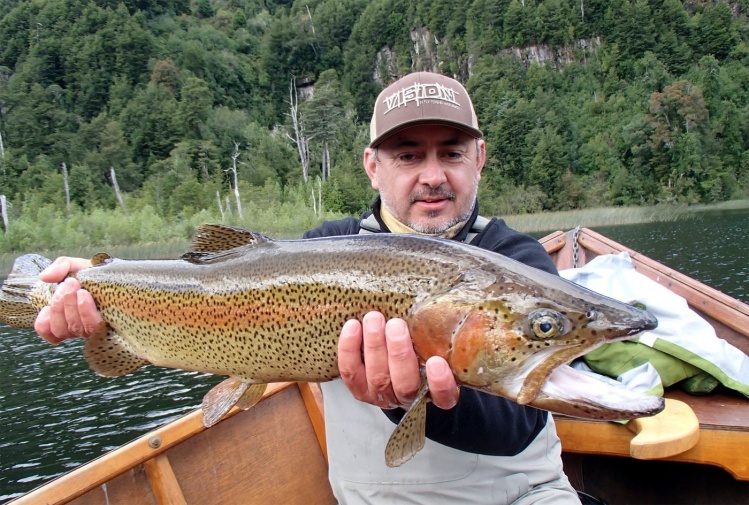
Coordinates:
575	247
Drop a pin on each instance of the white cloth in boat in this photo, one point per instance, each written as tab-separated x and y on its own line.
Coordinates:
681	332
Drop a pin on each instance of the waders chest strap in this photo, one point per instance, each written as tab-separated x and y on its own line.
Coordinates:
370	225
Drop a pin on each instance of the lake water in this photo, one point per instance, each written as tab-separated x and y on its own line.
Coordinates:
56	414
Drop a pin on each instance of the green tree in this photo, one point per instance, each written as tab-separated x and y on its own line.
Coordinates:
552	23
150	123
548	165
328	118
676	116
484	25
205	9
716	31
194	107
517	25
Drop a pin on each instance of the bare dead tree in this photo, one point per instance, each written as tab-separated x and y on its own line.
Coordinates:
65	185
220	207
317	201
228	205
117	188
234	157
312	25
5	74
582	9
325	162
299	139
4	211
314	201
319	195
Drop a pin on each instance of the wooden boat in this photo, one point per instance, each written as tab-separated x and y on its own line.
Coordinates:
597	454
276	451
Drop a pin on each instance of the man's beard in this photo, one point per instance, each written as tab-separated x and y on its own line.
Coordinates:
439	228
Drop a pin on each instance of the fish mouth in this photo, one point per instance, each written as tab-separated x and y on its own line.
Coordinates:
637	322
580	394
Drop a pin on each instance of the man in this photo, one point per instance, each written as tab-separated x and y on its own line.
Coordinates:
425	159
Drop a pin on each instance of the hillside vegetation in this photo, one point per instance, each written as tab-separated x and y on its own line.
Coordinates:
584	103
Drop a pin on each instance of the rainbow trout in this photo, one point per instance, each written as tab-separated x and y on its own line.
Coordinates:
260	311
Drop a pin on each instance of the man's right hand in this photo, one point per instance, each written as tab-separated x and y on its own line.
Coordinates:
379	366
71	312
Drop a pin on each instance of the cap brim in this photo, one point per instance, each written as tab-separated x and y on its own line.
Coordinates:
473	132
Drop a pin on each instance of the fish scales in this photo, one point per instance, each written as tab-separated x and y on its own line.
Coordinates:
260	311
267	328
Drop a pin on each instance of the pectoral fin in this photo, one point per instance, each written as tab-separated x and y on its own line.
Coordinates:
410	434
219	400
110	355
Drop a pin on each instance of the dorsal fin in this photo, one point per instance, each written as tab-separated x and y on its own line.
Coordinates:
212	242
100	259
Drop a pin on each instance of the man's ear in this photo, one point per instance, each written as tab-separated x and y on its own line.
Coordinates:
370	166
480	155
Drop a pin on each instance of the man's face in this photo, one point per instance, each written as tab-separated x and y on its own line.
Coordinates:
427	176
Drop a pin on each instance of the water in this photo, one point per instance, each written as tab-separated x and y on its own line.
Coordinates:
56	414
712	248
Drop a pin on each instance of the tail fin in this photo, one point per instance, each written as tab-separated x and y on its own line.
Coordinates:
23	295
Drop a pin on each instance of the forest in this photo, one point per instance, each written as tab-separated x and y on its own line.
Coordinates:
125	121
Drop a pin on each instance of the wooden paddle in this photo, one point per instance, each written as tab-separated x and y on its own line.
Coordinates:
671	432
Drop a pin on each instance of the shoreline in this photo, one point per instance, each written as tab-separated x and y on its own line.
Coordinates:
615	216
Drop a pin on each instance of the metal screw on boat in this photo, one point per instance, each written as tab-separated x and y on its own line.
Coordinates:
154	442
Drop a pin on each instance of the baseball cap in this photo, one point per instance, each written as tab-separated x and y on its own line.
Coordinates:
422	98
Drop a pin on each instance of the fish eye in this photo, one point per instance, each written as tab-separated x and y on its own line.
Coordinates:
546	323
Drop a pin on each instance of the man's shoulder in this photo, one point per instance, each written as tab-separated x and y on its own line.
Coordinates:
345	226
500	238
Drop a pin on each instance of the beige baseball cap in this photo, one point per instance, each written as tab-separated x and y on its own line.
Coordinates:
422	98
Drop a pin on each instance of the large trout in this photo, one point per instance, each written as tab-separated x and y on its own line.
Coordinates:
259	311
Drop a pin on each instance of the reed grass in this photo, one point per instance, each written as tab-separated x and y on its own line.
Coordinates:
174	246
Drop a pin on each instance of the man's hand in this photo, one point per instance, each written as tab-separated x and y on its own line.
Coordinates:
378	364
71	312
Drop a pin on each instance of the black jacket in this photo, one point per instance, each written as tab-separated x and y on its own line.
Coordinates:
480	423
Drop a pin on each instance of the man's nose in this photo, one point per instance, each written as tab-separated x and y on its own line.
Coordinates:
432	174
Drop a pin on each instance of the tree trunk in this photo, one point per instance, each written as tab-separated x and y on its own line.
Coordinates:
4	211
325	162
236	178
65	184
220	207
299	138
314	201
117	188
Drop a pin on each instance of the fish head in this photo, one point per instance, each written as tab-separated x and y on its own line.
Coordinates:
506	332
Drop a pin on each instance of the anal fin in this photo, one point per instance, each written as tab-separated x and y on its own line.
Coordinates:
410	434
110	355
219	400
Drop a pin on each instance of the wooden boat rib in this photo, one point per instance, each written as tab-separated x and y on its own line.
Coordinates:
276	451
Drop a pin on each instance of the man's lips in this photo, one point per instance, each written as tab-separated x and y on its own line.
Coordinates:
432	203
